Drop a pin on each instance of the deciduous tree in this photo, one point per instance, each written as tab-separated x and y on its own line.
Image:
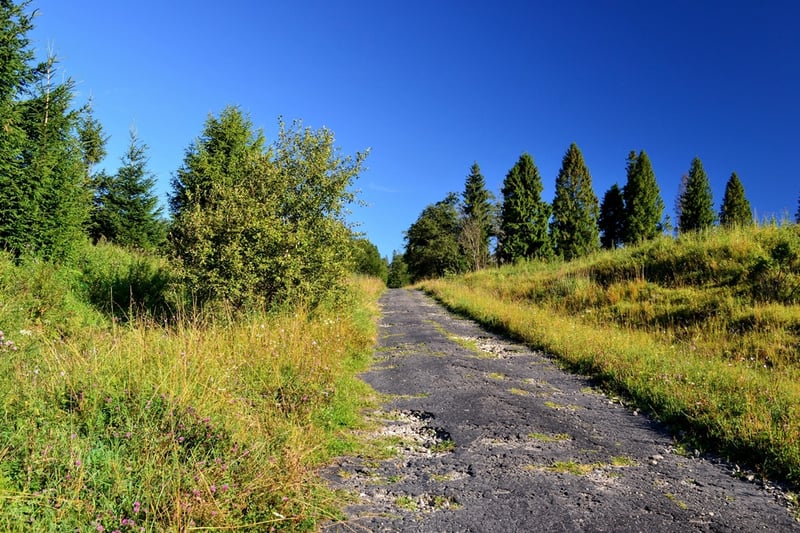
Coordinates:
575	208
260	227
432	247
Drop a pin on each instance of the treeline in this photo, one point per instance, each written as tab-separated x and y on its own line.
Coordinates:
469	232
251	222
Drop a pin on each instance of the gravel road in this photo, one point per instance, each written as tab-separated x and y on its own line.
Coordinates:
495	437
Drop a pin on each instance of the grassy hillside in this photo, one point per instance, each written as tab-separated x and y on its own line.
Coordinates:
703	331
114	418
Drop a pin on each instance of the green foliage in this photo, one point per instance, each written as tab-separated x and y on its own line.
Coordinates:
575	208
398	272
368	261
432	247
92	139
735	209
126	284
524	215
612	218
696	202
126	210
478	222
115	428
262	227
45	205
643	204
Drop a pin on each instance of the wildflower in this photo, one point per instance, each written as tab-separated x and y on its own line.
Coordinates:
213	489
100	528
78	463
136	507
225	487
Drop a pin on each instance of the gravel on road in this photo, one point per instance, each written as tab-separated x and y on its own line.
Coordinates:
493	437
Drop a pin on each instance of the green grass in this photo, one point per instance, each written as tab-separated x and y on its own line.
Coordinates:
702	331
123	420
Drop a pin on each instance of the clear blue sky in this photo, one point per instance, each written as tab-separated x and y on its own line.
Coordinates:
431	86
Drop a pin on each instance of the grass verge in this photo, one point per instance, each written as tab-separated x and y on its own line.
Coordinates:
702	331
116	425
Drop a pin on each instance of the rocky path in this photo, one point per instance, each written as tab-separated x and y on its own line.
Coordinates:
494	437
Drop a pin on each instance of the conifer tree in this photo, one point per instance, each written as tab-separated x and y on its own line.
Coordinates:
697	207
574	227
524	216
54	174
126	209
735	210
92	139
612	218
478	223
643	204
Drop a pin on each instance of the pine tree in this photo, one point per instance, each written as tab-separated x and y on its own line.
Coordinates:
478	223
697	206
612	218
643	204
735	210
126	209
524	216
574	227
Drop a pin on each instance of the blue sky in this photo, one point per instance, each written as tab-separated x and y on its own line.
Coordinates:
432	86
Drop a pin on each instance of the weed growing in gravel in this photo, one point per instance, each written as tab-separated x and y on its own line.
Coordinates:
497	375
443	446
406	502
519	392
550	437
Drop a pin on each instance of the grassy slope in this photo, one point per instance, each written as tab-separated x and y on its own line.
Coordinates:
127	425
703	331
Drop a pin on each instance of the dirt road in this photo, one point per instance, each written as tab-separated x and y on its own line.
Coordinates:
495	437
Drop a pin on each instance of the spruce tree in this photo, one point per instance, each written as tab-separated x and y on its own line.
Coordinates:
524	216
612	218
643	204
478	223
92	139
574	227
126	209
735	210
696	203
58	204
